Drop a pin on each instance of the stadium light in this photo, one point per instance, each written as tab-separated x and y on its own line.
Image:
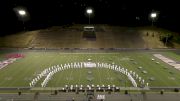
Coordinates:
153	16
89	11
22	12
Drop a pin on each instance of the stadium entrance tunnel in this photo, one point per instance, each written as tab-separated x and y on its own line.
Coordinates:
49	72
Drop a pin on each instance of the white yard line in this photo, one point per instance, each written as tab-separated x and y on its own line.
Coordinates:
70	76
79	81
51	64
109	75
168	61
99	76
7	62
60	78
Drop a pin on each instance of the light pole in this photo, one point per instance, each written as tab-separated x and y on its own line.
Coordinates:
167	35
89	11
153	17
22	13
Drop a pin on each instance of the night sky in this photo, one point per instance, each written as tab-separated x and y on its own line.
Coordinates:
46	13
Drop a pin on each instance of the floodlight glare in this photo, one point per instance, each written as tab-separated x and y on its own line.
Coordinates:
22	12
89	11
153	15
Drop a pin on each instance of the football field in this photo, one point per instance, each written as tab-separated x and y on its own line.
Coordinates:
153	70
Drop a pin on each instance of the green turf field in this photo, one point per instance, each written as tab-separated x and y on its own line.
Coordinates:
22	71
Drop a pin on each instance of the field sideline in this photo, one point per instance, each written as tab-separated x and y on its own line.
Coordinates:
22	71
